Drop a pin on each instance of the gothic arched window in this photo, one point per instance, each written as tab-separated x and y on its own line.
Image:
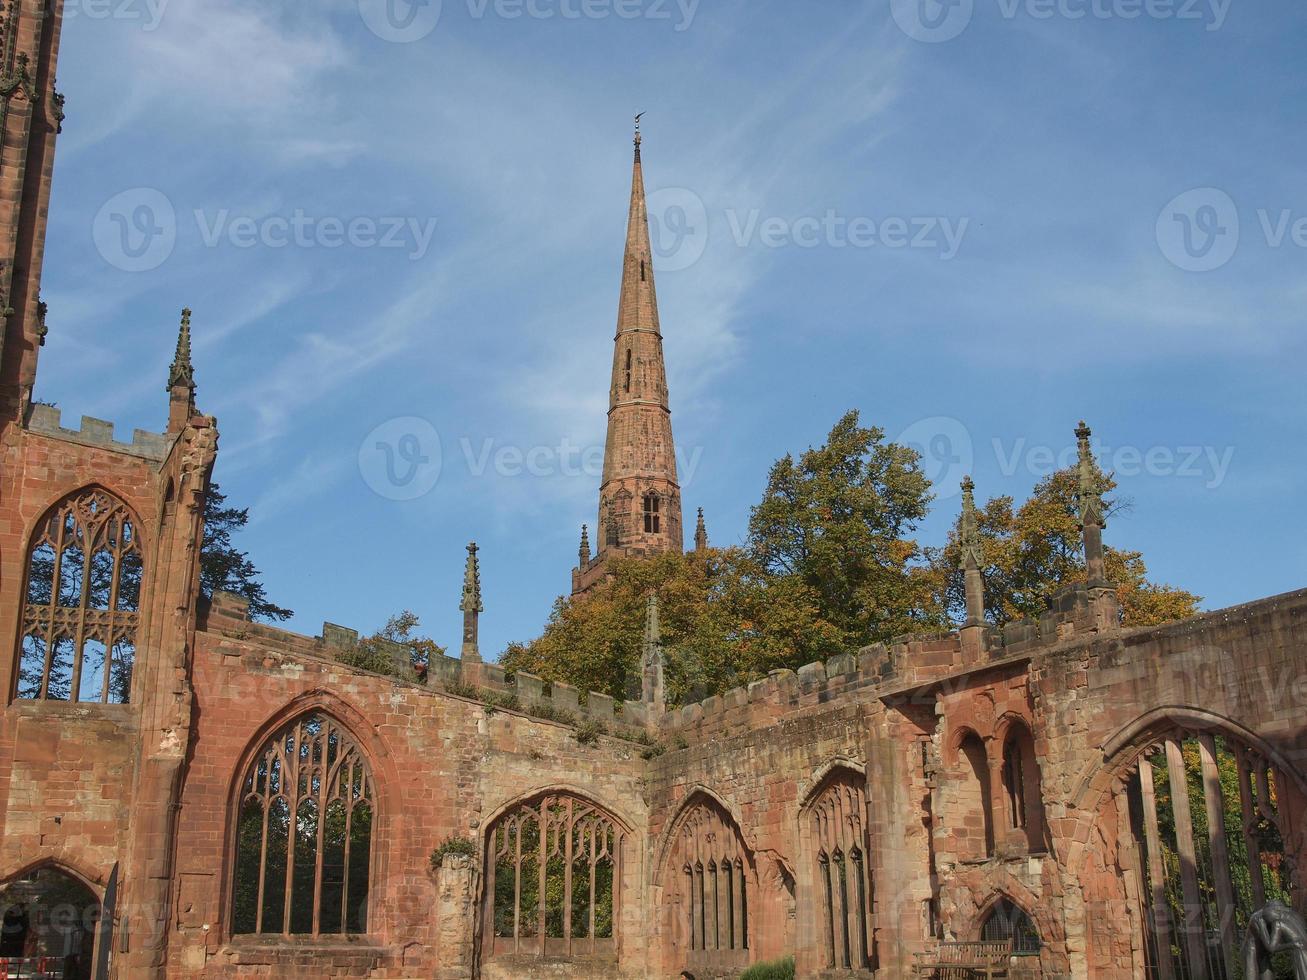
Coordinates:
553	878
82	606
843	876
1008	921
304	834
715	871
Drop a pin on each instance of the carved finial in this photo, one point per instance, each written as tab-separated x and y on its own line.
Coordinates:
638	138
969	528
472	583
182	374
1090	491
583	553
700	534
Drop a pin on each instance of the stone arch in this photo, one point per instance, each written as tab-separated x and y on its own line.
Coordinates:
380	777
696	793
810	788
1104	775
1028	905
570	789
52	913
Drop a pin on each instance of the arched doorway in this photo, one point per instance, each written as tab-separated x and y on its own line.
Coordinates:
50	920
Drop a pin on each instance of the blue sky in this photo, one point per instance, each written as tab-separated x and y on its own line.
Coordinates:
976	223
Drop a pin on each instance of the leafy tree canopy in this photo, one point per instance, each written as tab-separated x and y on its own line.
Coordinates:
829	566
1033	550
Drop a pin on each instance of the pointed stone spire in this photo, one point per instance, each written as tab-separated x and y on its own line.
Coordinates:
973	556
639	497
700	534
1089	499
471	606
639	455
583	553
653	663
181	379
182	373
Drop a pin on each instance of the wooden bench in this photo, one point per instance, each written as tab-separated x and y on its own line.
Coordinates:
958	960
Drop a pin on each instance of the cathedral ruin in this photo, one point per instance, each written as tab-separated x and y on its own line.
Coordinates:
188	793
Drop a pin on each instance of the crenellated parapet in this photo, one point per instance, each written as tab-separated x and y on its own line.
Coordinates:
882	669
46	420
228	615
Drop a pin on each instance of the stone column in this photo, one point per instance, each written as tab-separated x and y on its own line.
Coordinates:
456	917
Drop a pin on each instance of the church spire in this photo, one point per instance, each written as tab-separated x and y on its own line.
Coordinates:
639	499
700	534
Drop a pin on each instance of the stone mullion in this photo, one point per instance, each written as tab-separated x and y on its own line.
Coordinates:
1257	881
567	878
293	802
594	869
348	800
542	876
54	604
1159	918
848	846
266	803
517	887
1184	834
1220	856
79	637
321	801
111	620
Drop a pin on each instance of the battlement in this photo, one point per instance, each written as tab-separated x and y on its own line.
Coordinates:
532	695
47	420
905	663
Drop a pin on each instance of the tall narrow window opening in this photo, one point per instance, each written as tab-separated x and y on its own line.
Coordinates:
628	370
652	516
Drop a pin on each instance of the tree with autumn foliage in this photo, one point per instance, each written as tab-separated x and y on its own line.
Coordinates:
1033	550
830	565
726	620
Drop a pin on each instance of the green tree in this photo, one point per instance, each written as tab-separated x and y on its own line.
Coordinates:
223	566
837	520
723	618
1033	550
